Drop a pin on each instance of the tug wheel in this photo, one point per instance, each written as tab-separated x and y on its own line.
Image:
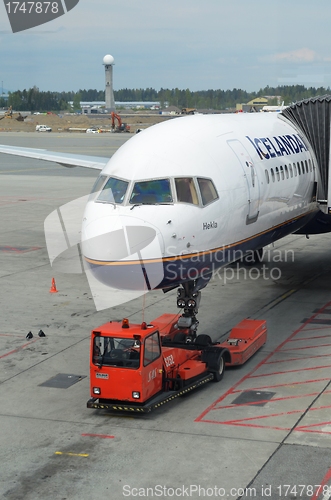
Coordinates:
218	374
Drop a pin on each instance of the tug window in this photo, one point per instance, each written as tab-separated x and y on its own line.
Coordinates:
116	351
152	349
207	190
113	191
185	189
151	192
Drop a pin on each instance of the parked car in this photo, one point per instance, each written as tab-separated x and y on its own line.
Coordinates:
92	130
43	128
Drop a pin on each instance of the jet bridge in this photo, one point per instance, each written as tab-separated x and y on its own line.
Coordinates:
312	117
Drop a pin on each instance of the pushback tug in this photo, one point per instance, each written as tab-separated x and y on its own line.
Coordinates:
140	367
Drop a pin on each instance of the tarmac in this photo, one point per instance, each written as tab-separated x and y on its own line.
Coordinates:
264	431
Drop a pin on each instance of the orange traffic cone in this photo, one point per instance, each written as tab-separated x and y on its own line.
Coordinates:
53	287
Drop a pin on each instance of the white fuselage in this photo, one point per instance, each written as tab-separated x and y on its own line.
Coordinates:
264	174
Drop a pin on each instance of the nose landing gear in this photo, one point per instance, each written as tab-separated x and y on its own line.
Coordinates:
188	299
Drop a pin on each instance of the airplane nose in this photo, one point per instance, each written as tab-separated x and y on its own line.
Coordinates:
123	252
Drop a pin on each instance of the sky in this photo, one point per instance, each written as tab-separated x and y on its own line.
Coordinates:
194	44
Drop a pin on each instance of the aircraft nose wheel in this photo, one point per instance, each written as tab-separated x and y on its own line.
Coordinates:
188	299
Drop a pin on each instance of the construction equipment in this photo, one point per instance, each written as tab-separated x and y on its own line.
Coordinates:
140	367
9	114
189	111
121	127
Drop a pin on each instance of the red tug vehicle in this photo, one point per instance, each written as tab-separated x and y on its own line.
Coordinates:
140	367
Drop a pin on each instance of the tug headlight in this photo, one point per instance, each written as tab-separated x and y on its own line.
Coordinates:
136	394
96	390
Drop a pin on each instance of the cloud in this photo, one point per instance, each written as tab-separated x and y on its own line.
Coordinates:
303	55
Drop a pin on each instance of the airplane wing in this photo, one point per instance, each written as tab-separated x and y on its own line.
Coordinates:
64	159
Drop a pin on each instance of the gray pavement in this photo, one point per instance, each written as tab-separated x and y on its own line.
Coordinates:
202	445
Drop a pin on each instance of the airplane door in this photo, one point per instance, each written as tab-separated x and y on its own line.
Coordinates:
251	179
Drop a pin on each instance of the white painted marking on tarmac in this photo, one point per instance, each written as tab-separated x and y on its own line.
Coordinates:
327	495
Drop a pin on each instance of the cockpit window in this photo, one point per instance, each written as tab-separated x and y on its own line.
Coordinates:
207	190
98	183
151	192
185	189
113	191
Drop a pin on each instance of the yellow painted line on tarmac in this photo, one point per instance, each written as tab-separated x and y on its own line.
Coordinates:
277	301
71	454
285	295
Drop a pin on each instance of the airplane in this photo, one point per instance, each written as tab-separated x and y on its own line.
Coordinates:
188	196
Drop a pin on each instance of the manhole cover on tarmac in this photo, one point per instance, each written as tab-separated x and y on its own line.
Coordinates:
247	397
62	380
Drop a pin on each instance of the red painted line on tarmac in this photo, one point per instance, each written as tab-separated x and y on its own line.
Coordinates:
308	431
325	327
300	427
261	417
306	347
253	426
201	418
286	360
8	249
18	349
263	401
10	335
290	371
324	407
310	338
290	384
229	391
103	436
324	482
241	422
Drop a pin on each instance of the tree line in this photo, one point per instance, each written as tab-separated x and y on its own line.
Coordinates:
35	100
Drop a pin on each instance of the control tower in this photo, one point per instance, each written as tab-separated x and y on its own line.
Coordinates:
108	62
